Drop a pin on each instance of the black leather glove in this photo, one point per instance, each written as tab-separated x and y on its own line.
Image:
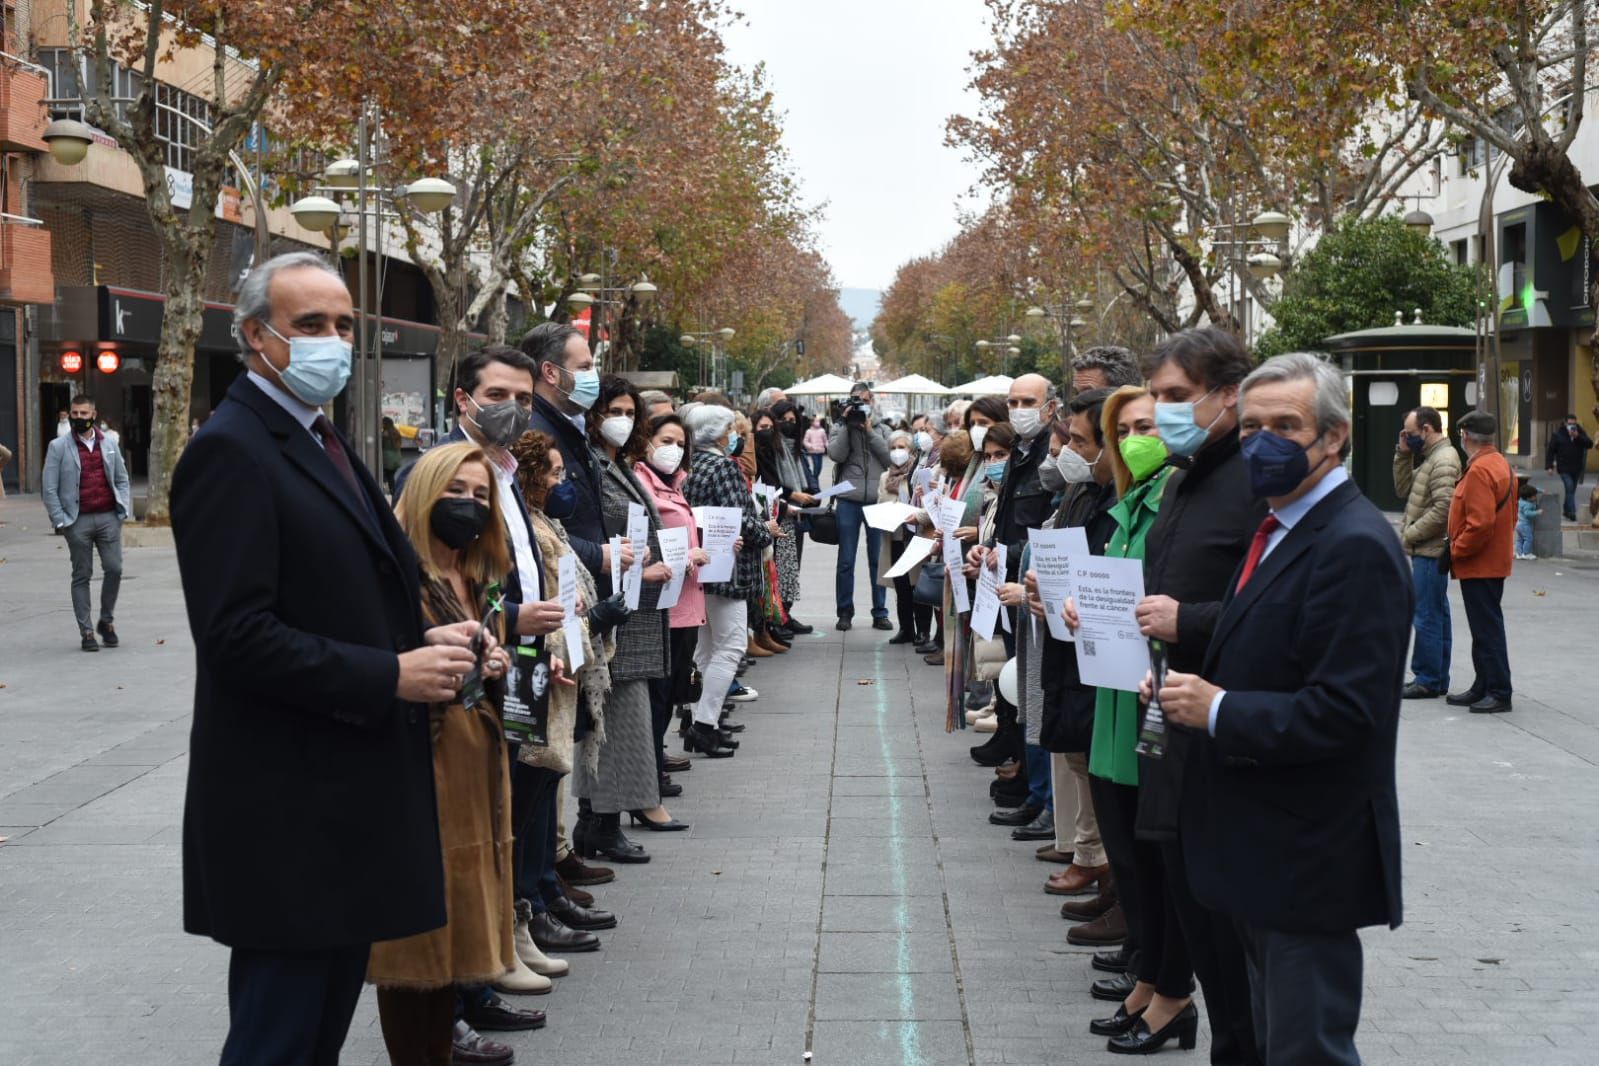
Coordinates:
607	615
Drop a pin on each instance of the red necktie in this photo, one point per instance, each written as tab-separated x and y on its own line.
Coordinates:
1257	548
335	452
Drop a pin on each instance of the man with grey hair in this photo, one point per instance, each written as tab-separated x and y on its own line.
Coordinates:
312	686
1299	698
655	403
1104	366
768	397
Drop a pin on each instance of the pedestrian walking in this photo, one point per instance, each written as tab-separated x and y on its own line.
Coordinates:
815	448
88	496
1568	457
391	453
1426	467
310	827
1526	510
860	455
1299	698
1482	527
451	515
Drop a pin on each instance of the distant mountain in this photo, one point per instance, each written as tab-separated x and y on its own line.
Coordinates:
860	305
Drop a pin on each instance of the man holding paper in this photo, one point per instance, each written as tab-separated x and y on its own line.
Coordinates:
860	455
1299	696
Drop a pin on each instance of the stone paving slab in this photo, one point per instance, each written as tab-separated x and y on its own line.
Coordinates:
840	889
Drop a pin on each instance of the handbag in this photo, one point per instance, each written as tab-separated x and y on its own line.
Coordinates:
929	590
824	526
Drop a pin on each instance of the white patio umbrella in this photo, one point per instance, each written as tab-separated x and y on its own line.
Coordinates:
994	385
911	385
826	385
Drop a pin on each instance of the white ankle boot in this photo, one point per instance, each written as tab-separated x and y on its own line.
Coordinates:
528	953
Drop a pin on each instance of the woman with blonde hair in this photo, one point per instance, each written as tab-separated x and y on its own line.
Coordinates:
451	515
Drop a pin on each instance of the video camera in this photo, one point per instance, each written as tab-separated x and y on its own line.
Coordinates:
857	410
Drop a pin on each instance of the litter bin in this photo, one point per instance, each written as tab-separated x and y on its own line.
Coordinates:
1547	540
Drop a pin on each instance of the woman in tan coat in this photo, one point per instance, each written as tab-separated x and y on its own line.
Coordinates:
452	518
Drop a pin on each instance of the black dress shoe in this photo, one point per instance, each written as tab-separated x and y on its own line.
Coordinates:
1138	1040
902	637
670	789
795	625
1113	989
671	825
1464	699
584	918
1414	691
1118	961
108	635
844	623
1116	1024
1490	705
89	643
1040	828
989	754
558	939
882	623
1016	816
708	741
467	1047
498	1016
927	647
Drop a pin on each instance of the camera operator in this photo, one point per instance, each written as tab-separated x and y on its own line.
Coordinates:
860	455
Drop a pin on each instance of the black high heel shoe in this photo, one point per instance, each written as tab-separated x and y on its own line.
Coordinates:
707	741
605	839
1140	1041
671	825
1117	1023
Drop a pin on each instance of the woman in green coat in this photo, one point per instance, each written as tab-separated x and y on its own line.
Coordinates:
1160	1006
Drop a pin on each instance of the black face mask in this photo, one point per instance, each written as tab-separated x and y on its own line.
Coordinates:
788	429
764	437
457	521
80	426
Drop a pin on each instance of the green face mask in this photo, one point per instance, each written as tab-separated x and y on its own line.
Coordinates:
1143	455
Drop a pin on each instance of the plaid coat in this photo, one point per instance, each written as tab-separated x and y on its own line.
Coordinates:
642	649
716	481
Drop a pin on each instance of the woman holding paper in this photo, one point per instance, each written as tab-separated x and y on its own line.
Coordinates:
627	777
661	465
775	467
1160	1007
915	621
733	530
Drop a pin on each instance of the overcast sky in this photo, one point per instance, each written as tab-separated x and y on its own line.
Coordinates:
866	86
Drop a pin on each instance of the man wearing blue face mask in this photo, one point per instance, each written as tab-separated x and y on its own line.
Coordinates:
309	825
1426	468
1202	533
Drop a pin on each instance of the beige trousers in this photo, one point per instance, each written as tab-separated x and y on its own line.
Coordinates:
1076	826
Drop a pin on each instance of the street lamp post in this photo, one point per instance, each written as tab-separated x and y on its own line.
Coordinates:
322	212
1068	319
712	345
1009	345
594	290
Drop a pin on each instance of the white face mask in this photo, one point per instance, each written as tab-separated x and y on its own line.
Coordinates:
616	430
899	456
1026	421
1074	468
978	433
667	458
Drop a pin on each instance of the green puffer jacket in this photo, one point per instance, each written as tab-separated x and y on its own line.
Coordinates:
1427	487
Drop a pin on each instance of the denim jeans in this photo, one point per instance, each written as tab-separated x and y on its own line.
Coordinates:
533	818
1570	509
813	463
1523	538
1490	655
851	519
1429	658
1040	790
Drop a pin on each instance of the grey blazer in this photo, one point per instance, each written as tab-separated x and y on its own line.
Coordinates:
63	470
642	646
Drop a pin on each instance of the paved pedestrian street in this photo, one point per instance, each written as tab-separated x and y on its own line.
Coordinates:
840	892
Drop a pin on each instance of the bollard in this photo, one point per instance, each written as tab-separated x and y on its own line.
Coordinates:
1547	540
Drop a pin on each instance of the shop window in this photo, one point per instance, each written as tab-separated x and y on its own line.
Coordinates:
1435	394
1515	257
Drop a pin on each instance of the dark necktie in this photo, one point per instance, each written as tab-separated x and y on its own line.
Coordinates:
335	452
1257	548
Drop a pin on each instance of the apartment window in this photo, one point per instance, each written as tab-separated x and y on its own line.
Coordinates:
1471	155
1461	250
1515	253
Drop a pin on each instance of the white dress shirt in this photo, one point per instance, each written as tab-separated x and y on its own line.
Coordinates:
297	408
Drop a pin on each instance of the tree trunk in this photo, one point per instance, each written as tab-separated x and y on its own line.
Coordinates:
188	257
499	317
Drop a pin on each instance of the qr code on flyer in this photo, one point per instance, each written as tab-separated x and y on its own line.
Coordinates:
1087	646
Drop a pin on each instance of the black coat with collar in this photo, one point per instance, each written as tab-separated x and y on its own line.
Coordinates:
1068	721
309	820
585	528
1023	502
1290	819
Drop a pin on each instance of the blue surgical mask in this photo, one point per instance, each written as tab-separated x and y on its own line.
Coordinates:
732	443
924	441
1276	464
319	367
1176	426
996	470
585	388
561	501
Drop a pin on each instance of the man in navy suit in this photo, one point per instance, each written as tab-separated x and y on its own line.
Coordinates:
1290	818
310	828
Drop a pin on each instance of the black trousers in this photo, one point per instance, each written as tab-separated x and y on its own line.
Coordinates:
1305	990
1141	888
661	688
1217	955
913	617
1490	655
418	1025
291	1008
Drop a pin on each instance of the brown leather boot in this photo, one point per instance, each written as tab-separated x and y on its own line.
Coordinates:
756	651
1086	910
1075	880
1108	928
771	643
